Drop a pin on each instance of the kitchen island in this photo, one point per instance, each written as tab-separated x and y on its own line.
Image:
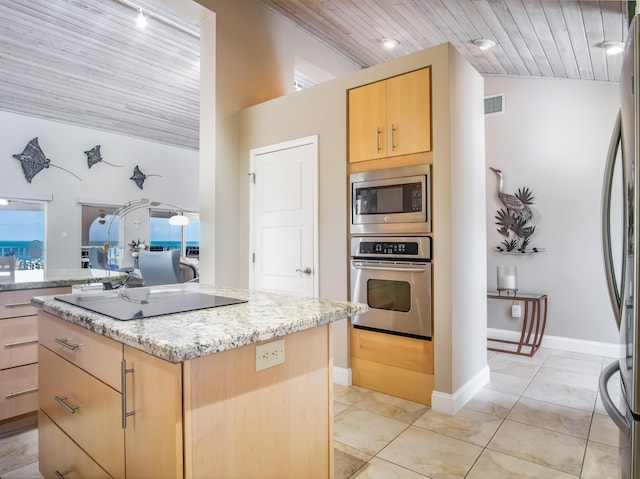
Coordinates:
234	391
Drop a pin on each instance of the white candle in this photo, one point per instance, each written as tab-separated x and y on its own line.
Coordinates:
507	278
506	282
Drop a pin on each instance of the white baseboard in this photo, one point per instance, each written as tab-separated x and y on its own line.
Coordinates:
342	376
452	403
612	350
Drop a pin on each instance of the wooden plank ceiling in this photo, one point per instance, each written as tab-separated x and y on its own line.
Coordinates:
537	38
84	62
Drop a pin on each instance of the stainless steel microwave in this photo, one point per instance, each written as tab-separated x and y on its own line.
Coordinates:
391	201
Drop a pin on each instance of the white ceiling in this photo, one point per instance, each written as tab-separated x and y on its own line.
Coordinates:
82	61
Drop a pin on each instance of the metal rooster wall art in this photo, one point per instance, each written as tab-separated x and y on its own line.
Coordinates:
513	220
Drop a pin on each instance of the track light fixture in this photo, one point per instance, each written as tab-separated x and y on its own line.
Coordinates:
144	15
141	21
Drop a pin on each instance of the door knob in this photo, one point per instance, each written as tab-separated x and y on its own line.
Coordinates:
307	270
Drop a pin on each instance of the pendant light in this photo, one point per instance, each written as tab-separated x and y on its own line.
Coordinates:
179	220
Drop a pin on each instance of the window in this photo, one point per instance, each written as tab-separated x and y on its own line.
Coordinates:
95	219
22	226
164	236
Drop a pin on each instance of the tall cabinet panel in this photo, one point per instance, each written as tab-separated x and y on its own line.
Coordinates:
398	111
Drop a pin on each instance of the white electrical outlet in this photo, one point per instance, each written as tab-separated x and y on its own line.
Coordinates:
516	310
269	354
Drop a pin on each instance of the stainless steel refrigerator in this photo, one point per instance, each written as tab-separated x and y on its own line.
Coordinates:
623	272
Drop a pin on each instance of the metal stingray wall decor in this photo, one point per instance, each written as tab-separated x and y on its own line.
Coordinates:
514	220
33	161
139	177
94	156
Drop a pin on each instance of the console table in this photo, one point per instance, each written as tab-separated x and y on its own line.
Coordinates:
534	320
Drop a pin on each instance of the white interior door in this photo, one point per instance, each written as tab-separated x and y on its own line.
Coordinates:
284	207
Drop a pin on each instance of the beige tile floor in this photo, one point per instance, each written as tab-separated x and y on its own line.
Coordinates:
539	417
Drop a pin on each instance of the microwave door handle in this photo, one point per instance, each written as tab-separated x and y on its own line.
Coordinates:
401	268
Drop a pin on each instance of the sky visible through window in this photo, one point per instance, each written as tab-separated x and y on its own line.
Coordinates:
21	225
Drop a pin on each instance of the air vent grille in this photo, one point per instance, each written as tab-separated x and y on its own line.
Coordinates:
494	104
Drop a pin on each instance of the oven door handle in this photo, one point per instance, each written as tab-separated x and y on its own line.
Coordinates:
405	268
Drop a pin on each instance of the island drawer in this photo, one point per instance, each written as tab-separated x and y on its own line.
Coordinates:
86	409
19	341
96	354
18	391
63	455
18	303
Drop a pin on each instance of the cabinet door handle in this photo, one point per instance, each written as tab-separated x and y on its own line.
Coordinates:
123	378
17	305
393	137
20	393
61	401
60	475
20	343
65	343
378	131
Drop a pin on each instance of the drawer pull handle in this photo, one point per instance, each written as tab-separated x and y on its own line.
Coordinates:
61	401
20	393
123	377
17	305
20	343
65	343
60	475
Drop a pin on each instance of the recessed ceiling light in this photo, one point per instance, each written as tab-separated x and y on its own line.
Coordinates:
484	43
612	47
4	202
389	43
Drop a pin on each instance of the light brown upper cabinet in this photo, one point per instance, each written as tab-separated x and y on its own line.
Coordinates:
390	117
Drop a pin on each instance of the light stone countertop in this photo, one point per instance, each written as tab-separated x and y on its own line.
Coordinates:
56	278
183	336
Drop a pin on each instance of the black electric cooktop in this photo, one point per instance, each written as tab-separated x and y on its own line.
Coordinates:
136	303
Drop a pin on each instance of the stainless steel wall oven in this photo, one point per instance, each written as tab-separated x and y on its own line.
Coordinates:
391	201
393	276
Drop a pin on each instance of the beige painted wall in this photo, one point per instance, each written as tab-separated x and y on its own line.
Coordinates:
254	56
321	110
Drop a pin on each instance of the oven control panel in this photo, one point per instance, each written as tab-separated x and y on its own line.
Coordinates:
407	247
393	248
